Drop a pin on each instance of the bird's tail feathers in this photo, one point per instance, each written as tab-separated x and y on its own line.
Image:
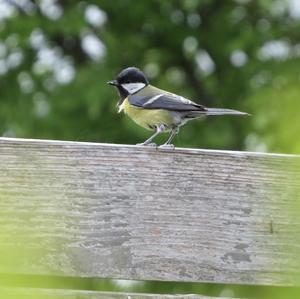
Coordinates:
221	111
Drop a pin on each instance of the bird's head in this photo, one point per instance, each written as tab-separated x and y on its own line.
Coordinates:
129	81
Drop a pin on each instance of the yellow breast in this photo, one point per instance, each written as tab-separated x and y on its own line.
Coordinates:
147	118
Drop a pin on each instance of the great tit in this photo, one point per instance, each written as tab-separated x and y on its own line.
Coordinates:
156	109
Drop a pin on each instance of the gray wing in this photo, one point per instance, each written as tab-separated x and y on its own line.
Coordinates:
166	101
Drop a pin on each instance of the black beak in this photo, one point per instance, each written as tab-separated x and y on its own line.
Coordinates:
113	82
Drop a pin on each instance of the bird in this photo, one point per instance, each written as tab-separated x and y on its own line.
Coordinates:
156	109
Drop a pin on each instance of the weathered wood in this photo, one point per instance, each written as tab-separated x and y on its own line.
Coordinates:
115	211
77	294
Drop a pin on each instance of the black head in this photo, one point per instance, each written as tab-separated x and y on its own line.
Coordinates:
130	75
129	81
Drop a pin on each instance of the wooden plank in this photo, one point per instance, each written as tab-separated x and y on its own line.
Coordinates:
21	293
115	211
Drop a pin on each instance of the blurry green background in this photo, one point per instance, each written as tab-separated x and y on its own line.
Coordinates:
56	57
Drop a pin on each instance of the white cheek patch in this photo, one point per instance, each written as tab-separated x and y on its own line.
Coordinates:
133	87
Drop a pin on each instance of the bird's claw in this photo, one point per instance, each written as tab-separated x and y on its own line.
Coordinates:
152	144
167	146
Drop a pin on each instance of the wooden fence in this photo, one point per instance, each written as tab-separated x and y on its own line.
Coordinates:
127	212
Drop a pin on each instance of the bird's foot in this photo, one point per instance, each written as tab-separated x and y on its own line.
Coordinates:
152	144
167	146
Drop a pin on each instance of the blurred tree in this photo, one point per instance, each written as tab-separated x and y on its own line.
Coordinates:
56	56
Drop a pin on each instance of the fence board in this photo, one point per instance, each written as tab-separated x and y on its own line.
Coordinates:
116	211
77	294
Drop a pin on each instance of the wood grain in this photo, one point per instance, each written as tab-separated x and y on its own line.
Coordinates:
117	211
10	293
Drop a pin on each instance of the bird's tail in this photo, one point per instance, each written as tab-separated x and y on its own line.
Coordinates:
221	111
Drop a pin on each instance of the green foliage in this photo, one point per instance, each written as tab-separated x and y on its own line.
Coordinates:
209	51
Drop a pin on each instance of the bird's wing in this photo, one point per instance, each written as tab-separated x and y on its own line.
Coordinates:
166	101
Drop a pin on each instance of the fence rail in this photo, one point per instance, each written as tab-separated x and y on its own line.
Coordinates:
23	293
129	212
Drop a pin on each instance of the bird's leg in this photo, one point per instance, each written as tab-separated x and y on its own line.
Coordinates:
168	144
159	129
